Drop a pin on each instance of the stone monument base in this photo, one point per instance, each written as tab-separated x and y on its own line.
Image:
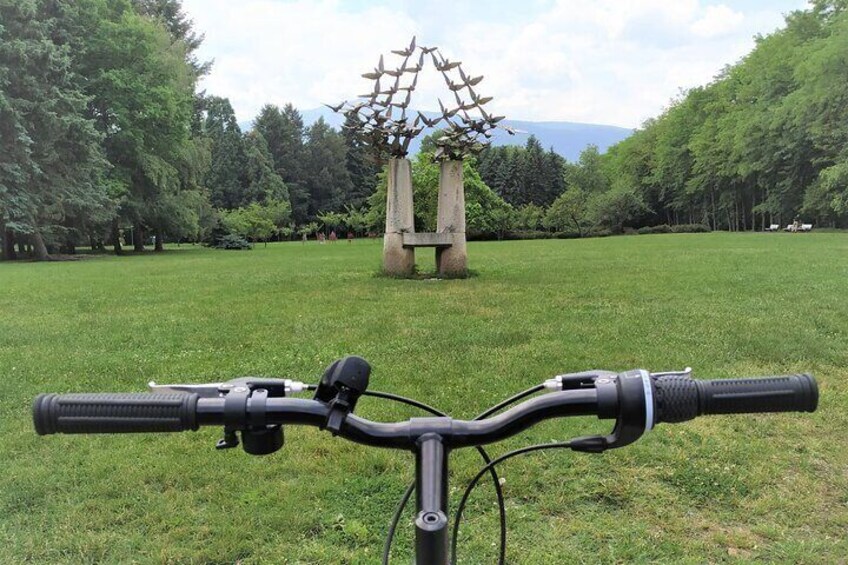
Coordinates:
451	261
398	261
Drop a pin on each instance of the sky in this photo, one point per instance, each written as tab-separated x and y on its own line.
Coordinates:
615	62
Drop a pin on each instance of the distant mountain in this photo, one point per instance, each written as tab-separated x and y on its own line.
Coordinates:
567	138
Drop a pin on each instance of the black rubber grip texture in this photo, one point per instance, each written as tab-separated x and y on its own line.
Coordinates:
109	413
677	398
680	398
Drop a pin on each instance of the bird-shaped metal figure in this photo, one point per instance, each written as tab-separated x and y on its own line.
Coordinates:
479	100
491	119
429	123
408	51
446	114
443	64
336	109
469	81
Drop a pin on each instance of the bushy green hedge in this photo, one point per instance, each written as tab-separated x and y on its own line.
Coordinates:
662	228
691	228
682	228
527	234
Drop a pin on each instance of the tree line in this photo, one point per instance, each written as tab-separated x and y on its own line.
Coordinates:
105	141
766	142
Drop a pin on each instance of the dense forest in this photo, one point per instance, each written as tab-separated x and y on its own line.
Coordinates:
105	140
765	142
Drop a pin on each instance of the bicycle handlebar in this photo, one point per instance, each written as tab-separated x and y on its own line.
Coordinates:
680	398
258	408
114	413
636	399
153	412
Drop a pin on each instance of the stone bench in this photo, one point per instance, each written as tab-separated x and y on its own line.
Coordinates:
427	240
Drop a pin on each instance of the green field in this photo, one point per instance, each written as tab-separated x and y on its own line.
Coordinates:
736	489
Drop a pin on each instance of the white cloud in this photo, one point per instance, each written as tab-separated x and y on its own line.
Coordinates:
601	61
717	20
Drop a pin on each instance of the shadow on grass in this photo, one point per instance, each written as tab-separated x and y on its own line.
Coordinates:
87	254
420	275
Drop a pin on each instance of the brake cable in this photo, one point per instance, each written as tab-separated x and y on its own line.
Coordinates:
496	480
489	467
387	548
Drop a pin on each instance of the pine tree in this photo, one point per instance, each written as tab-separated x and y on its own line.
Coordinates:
50	159
225	177
264	184
327	178
533	181
361	166
284	132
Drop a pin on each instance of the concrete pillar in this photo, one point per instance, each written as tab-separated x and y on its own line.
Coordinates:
397	260
452	261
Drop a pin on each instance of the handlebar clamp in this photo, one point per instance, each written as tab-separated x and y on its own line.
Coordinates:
257	438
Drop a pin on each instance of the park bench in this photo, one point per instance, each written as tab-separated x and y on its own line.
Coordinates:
773	227
801	228
427	239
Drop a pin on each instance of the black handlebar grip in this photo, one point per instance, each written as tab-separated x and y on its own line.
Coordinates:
680	398
109	413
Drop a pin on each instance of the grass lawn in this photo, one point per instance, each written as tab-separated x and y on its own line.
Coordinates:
768	488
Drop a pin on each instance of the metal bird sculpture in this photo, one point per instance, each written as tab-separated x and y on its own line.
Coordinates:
374	119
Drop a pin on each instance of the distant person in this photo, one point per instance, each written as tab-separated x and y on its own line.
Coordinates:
304	238
321	237
333	236
350	237
796	225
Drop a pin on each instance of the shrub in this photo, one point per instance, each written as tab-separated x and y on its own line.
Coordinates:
231	241
662	228
528	234
598	232
566	235
691	228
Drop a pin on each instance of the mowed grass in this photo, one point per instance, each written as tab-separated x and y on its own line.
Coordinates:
769	488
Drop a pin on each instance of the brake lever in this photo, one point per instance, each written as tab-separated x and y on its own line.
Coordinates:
627	397
572	381
687	372
207	390
275	387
